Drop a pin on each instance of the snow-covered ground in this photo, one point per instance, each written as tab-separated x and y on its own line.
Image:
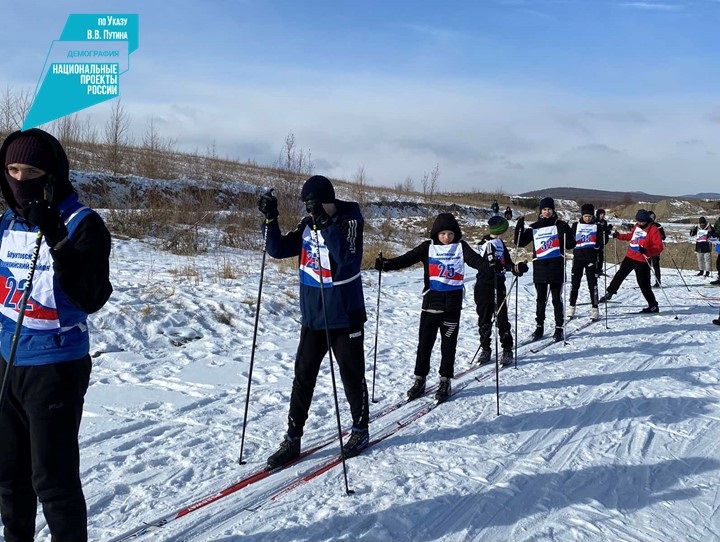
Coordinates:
614	436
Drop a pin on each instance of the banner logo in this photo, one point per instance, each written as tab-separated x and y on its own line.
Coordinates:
84	66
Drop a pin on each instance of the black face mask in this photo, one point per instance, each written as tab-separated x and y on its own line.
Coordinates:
25	192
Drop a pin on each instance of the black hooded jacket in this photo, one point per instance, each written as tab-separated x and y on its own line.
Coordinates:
550	270
82	265
433	300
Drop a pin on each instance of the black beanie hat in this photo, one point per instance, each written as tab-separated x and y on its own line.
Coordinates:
498	225
643	216
587	209
446	221
547	203
318	188
31	150
702	220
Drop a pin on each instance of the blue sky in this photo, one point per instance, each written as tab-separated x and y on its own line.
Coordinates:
501	94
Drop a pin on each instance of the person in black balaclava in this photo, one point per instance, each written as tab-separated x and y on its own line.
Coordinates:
46	384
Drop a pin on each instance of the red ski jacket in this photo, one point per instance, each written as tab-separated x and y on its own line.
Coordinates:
652	241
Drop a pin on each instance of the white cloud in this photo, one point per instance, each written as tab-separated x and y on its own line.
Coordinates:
653	6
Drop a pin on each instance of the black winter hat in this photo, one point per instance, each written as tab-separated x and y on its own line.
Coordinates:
547	203
599	212
318	188
32	150
702	220
498	225
587	209
643	216
446	221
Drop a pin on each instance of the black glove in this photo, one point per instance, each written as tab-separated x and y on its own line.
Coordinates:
380	264
321	219
45	215
642	250
268	205
522	268
615	234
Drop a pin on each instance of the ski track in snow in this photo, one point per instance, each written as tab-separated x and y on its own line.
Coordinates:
612	436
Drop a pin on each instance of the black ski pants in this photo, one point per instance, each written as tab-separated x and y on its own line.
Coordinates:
642	275
578	268
348	349
448	324
541	288
485	306
39	451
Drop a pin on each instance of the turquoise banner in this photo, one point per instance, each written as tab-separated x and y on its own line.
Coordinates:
83	67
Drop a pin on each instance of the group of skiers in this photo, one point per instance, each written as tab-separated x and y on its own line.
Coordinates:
328	243
58	248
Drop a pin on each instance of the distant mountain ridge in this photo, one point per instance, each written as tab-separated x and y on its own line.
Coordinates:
589	194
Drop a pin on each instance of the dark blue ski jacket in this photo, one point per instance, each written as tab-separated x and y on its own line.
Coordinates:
341	243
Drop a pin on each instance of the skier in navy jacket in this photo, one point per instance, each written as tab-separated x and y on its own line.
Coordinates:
45	388
329	246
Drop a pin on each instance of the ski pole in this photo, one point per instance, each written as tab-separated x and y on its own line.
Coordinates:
606	305
21	316
652	273
617	259
329	348
676	267
377	324
497	339
254	341
517	283
564	287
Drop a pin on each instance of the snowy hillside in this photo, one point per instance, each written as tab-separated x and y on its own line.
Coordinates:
612	436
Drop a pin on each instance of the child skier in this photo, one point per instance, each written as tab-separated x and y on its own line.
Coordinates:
490	292
443	257
702	233
645	243
550	237
585	259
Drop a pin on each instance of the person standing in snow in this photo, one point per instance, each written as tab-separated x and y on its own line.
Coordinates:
490	291
605	230
328	243
45	385
550	237
585	259
655	260
443	257
645	242
495	207
702	233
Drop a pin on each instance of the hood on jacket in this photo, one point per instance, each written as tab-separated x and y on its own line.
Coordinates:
59	186
445	221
